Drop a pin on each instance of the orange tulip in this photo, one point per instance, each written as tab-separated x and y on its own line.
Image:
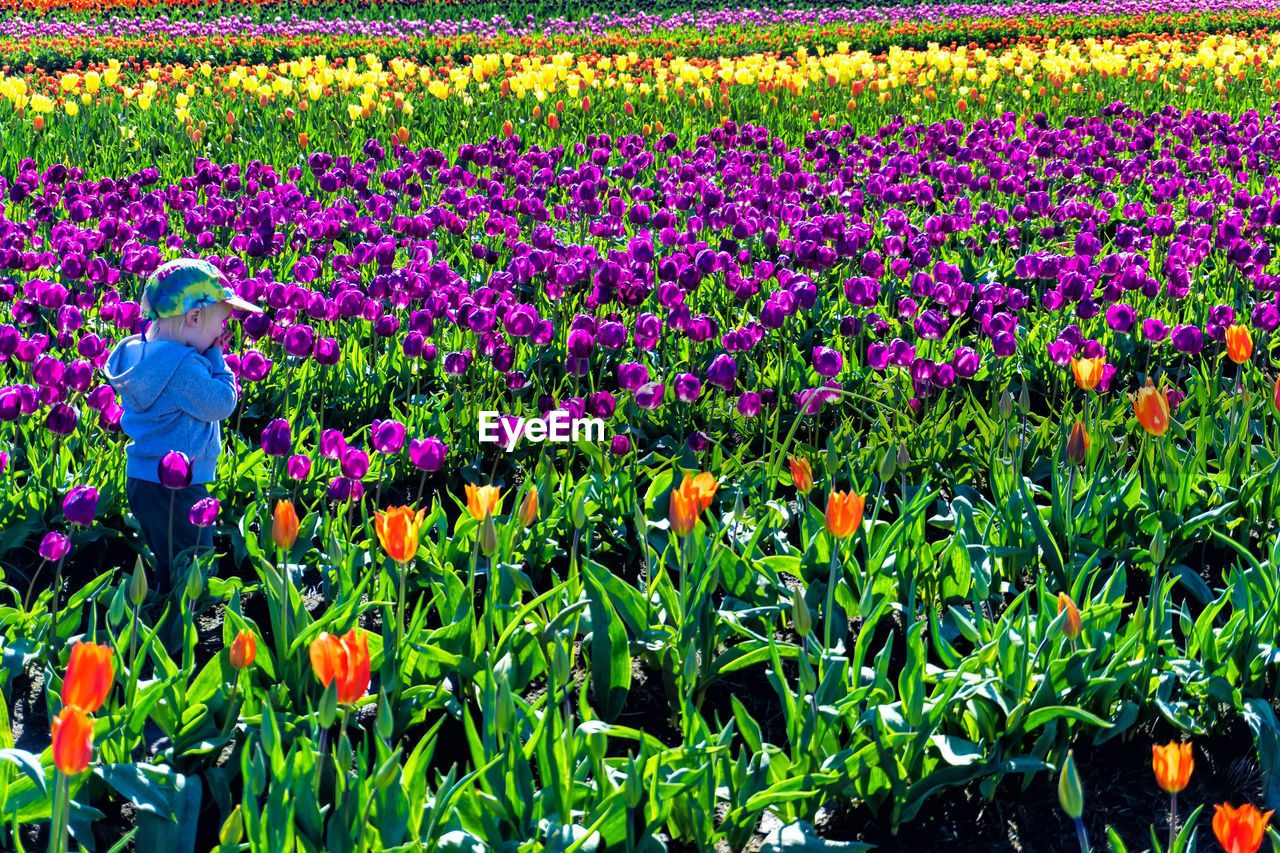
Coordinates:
72	740
38	123
507	129
244	648
529	508
844	513
1173	765
1240	830
397	530
703	486
303	139
553	121
1152	409
1239	344
345	658
801	474
1088	371
90	674
284	525
1074	624
483	501
684	508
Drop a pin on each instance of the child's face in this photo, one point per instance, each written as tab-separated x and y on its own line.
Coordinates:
203	331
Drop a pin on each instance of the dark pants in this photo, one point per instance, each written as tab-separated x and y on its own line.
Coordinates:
150	504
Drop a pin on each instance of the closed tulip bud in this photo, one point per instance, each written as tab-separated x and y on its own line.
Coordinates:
579	512
529	508
387	772
1077	445
384	723
561	668
504	709
1157	547
1070	792
904	458
328	709
801	474
195	583
284	525
138	584
1006	405
632	786
888	464
488	536
595	741
1074	623
800	616
232	831
1024	400
116	610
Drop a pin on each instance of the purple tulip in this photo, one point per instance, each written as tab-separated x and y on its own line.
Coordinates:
254	366
687	388
649	396
277	440
355	463
723	372
300	340
62	419
965	362
827	362
298	467
620	445
1154	330
204	512
80	506
54	546
4	462
332	444
1187	339
428	454
1120	317
749	404
632	375
174	470
343	489
388	436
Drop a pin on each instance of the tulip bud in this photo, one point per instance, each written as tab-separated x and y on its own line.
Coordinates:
1074	623
1077	450
579	512
1024	400
488	536
232	829
345	756
596	743
800	616
328	709
387	772
888	465
504	709
1157	547
1006	405
560	665
138	584
258	771
904	459
529	508
632	786
1070	793
116	611
384	723
195	582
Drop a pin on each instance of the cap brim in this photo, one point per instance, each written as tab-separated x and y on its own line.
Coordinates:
242	304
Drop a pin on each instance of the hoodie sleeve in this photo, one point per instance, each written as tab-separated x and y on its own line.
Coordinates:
203	387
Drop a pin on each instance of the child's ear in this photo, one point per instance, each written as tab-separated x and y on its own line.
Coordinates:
193	318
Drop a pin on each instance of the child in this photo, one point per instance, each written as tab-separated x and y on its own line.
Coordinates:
175	388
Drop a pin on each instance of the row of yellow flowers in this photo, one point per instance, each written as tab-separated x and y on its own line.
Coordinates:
371	83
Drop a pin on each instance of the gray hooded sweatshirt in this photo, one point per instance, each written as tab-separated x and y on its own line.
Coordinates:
173	399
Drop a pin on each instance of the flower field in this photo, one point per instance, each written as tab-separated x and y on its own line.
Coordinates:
935	352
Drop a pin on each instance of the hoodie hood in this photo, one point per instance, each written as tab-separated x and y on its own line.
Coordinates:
138	380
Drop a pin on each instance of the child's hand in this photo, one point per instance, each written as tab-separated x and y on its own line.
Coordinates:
223	340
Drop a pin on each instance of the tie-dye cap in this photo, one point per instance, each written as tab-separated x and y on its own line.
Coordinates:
178	286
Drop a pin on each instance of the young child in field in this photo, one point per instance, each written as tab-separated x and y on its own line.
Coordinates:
175	389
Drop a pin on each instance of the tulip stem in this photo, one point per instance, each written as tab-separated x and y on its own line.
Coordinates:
61	809
172	495
1082	836
404	569
1173	820
829	614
